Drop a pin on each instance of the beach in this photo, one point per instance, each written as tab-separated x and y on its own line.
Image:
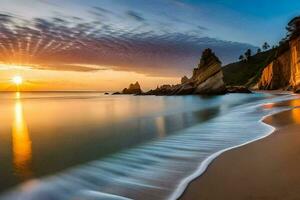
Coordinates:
265	169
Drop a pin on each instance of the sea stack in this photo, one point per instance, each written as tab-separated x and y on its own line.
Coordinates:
133	89
207	78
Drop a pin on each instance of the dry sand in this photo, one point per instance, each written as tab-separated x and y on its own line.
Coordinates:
265	169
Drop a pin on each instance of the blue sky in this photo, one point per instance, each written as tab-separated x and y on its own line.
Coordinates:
155	37
234	20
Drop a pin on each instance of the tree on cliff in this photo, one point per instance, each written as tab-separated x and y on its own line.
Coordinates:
293	27
258	51
207	57
265	46
248	54
241	58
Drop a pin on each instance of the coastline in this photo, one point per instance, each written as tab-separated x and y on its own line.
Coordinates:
235	173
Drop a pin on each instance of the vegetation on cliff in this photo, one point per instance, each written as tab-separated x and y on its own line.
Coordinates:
248	72
271	69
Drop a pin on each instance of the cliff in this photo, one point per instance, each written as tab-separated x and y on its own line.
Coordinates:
248	72
207	78
276	75
295	64
284	71
132	89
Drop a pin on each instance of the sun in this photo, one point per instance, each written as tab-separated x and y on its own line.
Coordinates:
18	80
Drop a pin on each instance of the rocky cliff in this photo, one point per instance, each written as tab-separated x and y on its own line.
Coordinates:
207	78
295	64
284	71
133	89
276	75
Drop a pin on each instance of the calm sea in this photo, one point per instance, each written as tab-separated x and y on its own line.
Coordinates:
87	145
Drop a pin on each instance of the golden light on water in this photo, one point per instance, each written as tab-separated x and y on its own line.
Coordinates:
161	126
21	143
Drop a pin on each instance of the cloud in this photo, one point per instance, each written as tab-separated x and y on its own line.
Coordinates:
49	2
4	18
78	45
181	4
135	16
103	10
202	28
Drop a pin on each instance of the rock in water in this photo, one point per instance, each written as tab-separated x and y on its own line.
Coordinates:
207	79
116	93
133	89
238	89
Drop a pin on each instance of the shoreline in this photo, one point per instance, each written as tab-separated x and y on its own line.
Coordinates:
189	187
203	167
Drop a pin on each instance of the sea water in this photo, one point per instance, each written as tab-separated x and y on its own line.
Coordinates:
87	145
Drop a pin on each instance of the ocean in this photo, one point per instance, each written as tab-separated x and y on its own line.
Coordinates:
91	146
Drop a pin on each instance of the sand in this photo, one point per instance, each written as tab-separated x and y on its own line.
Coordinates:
265	169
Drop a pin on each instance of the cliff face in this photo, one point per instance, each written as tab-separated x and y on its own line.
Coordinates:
284	71
207	79
295	63
277	74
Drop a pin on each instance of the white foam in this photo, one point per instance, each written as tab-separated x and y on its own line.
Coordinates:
205	164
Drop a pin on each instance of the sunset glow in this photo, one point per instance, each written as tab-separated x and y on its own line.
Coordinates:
18	80
60	47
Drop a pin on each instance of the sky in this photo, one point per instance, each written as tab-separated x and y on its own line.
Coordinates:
107	44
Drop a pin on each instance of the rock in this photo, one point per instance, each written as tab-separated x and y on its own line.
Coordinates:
106	93
212	85
133	89
166	87
296	89
238	89
184	80
185	89
162	90
207	78
116	93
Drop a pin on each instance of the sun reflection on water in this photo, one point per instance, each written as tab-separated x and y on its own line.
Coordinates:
161	126
21	143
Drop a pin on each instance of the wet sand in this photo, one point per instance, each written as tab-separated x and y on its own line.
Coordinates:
268	169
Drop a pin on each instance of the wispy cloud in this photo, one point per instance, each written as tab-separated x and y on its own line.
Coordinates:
135	16
77	44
